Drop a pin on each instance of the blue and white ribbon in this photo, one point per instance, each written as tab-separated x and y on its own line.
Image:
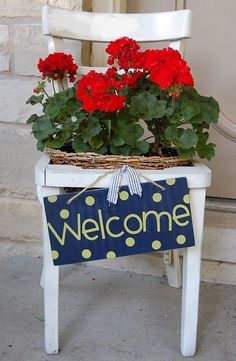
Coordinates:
133	182
132	178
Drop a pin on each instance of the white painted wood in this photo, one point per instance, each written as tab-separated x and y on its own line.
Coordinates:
191	276
103	27
173	270
85	69
49	281
198	176
40	170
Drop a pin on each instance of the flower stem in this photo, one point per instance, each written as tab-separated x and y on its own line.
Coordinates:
152	136
45	92
53	87
62	86
173	103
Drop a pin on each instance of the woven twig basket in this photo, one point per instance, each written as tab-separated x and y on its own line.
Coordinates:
94	160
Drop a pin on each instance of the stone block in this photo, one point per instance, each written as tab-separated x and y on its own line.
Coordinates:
4	48
20	220
4	37
13	8
4	62
17	160
14	93
66	4
29	44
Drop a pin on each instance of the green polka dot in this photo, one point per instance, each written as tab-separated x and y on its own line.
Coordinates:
52	199
156	245
181	239
170	182
124	195
130	242
186	198
90	200
86	253
55	254
111	254
64	213
157	197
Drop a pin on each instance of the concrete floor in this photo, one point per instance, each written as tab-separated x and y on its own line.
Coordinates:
109	316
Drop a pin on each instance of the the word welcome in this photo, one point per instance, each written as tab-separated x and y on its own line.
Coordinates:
115	226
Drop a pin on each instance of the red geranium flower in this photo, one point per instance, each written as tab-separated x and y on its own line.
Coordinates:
122	51
167	68
97	91
55	66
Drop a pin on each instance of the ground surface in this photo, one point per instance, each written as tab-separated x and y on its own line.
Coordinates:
109	316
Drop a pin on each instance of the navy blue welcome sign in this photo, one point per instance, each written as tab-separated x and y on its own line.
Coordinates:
90	229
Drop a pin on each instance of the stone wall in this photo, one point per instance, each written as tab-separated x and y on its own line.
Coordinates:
21	44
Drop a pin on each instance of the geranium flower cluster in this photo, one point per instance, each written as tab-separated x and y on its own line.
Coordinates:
57	65
163	67
99	92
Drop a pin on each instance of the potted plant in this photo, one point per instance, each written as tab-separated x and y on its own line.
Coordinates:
101	113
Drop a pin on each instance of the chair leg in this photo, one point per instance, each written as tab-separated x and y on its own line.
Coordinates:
173	270
50	281
191	276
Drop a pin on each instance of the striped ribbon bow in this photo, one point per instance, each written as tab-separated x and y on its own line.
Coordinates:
132	181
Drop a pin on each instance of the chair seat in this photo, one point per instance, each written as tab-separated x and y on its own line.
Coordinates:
50	175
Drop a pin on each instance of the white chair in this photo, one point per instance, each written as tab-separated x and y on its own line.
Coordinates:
51	179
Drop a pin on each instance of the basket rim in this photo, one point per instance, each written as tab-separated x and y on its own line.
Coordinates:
91	160
113	156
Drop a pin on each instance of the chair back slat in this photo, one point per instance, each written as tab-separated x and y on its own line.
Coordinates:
104	27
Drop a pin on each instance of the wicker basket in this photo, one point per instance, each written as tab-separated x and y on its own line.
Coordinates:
94	160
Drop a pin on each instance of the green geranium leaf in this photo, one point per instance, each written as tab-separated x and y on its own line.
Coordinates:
70	93
134	135
187	139
54	105
102	149
32	119
169	111
171	132
93	128
147	107
35	99
206	151
124	150
127	130
96	142
189	109
209	113
116	141
41	145
140	148
186	153
79	146
43	128
60	139
202	137
107	123
208	105
154	89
